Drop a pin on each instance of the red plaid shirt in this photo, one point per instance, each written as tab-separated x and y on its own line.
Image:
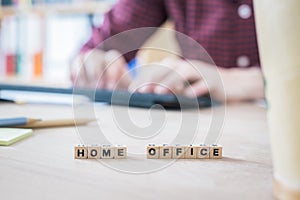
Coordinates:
225	28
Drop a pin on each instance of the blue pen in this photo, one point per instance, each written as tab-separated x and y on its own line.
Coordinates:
9	122
132	64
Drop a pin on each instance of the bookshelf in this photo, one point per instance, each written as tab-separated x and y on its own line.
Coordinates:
85	7
37	37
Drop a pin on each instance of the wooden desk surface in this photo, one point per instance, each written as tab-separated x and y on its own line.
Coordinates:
43	167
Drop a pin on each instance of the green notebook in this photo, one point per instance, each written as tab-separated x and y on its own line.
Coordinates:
9	136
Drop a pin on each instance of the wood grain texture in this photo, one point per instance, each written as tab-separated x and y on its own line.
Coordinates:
94	152
215	152
45	161
152	152
203	152
120	152
80	152
107	152
178	152
165	152
191	152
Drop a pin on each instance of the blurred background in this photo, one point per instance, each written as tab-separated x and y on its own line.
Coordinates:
39	38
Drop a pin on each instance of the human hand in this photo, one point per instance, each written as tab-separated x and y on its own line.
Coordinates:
174	75
195	78
99	69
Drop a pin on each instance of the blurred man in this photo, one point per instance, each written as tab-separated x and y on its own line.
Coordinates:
224	28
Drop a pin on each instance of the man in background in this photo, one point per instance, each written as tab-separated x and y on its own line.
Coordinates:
225	29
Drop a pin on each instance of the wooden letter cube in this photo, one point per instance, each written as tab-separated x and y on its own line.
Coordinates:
191	151
178	152
152	151
165	152
120	152
215	151
80	152
203	152
107	151
94	152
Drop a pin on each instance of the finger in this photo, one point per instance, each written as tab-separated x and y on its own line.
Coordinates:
146	88
176	81
173	83
94	65
151	75
116	72
77	72
198	88
124	77
145	79
125	81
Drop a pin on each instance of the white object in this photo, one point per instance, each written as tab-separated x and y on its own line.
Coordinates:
244	11
243	61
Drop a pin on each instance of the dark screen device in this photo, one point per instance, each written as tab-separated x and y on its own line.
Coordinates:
122	97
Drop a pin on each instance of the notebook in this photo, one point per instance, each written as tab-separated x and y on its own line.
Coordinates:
9	136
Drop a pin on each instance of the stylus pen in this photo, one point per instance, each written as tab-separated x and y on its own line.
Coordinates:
9	122
132	65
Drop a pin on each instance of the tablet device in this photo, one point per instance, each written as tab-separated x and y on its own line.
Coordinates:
121	97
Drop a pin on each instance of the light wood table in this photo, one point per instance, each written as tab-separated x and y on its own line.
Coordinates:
43	166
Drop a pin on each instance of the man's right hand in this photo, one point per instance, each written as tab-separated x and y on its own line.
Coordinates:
100	69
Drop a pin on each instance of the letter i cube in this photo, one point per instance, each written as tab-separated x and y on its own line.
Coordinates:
191	151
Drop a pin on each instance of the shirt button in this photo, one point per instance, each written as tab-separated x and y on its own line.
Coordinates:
244	11
243	61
